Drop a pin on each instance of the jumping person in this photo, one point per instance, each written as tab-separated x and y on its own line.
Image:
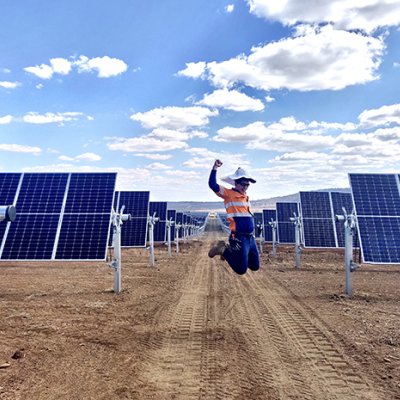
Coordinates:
241	253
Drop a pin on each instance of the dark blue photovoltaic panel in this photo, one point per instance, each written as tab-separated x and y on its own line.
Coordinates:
179	221
340	200
31	237
286	232
258	224
318	233
86	221
286	228
60	209
8	188
136	203
377	204
42	193
315	205
179	218
3	227
83	236
171	215
89	193
159	208
285	211
375	194
317	219
380	239
134	232
268	216
224	219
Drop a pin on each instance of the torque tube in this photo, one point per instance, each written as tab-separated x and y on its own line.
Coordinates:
7	213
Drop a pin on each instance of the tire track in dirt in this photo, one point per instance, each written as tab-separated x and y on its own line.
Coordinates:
175	361
244	337
334	377
272	368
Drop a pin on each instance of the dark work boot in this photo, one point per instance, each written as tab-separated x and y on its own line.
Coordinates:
217	250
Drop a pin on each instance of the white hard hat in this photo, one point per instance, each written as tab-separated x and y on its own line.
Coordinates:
239	173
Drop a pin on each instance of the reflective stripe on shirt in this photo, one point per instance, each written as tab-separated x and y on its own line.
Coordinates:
237	204
242	214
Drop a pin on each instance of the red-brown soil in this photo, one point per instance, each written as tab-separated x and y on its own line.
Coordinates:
190	328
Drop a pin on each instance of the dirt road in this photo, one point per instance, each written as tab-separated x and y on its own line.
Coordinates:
192	329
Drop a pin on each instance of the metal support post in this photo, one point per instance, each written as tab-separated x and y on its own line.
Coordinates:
349	230
169	226
117	220
297	224
151	220
177	230
273	225
260	237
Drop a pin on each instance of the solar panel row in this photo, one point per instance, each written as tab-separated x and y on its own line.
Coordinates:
377	204
134	232
268	216
318	211
286	228
61	216
159	210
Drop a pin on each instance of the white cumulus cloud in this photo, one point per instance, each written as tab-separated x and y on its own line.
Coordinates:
9	85
18	148
179	118
194	70
160	157
42	71
51	118
88	157
344	14
104	66
60	66
145	144
323	59
231	100
384	115
6	119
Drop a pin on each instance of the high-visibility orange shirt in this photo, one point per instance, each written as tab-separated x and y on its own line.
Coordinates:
237	207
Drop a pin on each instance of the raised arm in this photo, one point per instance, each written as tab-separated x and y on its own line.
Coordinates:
212	181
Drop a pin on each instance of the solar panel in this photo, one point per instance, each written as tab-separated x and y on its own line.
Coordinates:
171	215
159	208
9	183
8	187
342	200
60	216
134	232
376	199
179	221
222	217
286	228
319	209
317	220
258	224
268	215
32	236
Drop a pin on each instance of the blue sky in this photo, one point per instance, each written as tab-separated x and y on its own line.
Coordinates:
157	90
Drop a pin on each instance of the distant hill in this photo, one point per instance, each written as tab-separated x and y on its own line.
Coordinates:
256	205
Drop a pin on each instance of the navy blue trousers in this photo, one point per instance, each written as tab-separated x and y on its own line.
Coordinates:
244	258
